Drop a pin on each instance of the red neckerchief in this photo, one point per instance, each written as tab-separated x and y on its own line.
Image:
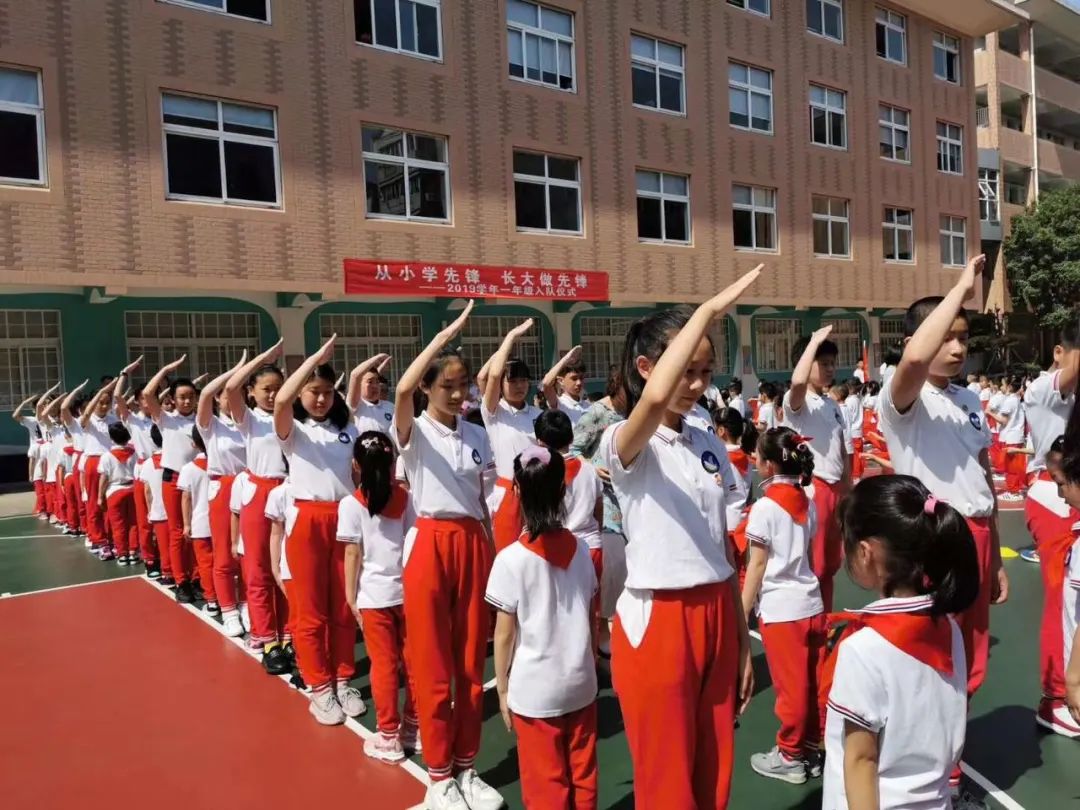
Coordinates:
739	460
557	547
156	458
792	499
122	454
200	462
395	507
573	467
69	450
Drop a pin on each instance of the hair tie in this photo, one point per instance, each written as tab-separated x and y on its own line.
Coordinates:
803	439
536	452
931	504
374	443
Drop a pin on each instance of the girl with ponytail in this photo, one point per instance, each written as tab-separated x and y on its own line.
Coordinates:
900	664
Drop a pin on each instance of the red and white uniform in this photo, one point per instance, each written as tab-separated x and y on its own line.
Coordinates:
1014	436
574	408
510	430
177	450
766	415
118	467
373	416
226	457
822	422
138	426
900	674
155	513
549	585
853	413
997	458
241	487
194	480
1070	615
96	441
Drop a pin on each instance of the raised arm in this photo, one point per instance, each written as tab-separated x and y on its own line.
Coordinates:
150	392
547	385
496	366
205	412
118	389
290	389
914	367
91	406
800	377
410	380
39	406
17	413
378	363
236	383
663	382
200	380
66	416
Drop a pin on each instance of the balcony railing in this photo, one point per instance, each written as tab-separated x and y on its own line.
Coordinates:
1016	193
982	116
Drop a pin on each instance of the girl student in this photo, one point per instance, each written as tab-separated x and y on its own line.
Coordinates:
137	420
372	525
117	496
766	415
281	513
194	485
781	584
312	424
544	587
93	424
364	396
226	457
176	450
896	682
680	646
446	459
150	475
1012	423
740	440
31	424
260	380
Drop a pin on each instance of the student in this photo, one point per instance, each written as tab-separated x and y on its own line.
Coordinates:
740	440
681	684
766	415
792	617
1012	421
260	380
193	484
935	434
371	411
281	512
313	425
735	399
888	367
543	587
372	523
569	374
138	423
446	459
997	452
897	705
973	384
860	372
853	415
1069	481
150	475
242	489
117	496
819	418
93	424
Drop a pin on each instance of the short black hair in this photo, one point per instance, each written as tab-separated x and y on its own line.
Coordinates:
197	439
826	349
155	435
573	368
518	370
119	434
735	386
920	311
554	429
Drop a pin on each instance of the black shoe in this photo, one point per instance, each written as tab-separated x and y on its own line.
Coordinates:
167	581
213	608
297	682
183	593
290	651
153	571
276	662
197	591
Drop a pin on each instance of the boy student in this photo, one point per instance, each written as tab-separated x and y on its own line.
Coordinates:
117	497
817	417
569	373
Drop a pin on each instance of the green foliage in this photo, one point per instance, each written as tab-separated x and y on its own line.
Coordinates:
1042	256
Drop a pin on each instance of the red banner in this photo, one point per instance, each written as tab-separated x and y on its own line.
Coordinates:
446	280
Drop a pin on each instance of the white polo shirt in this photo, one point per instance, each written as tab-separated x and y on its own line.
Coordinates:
194	480
78	439
96	439
373	416
974	387
151	474
445	467
281	508
822	422
1013	431
573	408
138	426
320	460
994	403
920	715
120	471
242	489
737	403
226	449
789	591
510	431
382	542
554	672
264	456
766	415
177	448
1071	596
674	497
698	417
1047	413
583	490
853	411
938	441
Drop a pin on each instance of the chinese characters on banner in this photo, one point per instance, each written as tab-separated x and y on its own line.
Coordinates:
445	280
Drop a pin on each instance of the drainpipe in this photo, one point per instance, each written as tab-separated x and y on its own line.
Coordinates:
1034	109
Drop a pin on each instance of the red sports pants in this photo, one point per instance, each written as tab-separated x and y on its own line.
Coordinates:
384	637
506	523
1015	469
795	652
678	694
226	569
161	536
95	518
1053	537
826	548
59	501
858	463
997	454
121	511
73	496
40	507
325	630
267	607
557	760
180	553
975	621
448	623
79	502
142	522
203	551
597	557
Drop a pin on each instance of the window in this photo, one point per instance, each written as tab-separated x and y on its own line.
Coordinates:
656	73
248	9
540	41
22	128
831	227
891	333
897	235
547	193
946	57
750	97
483	334
722	332
406	26
950	148
663	207
406	175
360	336
989	195
891	29
757	6
602	342
212	341
217	151
894	133
826	18
828	119
753	217
847	335
774	339
953	241
30	354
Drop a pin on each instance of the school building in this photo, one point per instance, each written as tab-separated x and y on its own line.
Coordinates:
204	176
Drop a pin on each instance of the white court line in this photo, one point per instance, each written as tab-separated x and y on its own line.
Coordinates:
69	587
30	536
490	685
408	765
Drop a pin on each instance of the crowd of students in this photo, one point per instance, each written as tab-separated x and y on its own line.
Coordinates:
627	528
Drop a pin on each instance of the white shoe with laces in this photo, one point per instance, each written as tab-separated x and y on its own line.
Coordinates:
479	795
445	795
351	701
326	709
384	749
233	627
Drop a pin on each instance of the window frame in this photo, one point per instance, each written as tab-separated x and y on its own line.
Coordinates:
889	25
829	111
839	6
351	349
754	210
406	162
945	143
993	195
435	4
894	128
547	181
790	334
665	197
197	339
830	218
848	345
952	234
223	11
749	89
767	13
522	29
23	386
477	348
38	111
608	343
656	66
896	227
940	42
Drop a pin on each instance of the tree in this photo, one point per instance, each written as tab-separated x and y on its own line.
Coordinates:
1042	256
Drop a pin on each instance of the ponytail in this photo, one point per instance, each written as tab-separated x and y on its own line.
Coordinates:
539	477
788	451
374	456
648	337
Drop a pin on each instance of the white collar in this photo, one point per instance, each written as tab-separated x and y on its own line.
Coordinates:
898	604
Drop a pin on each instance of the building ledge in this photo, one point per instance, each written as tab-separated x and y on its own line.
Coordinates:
973	18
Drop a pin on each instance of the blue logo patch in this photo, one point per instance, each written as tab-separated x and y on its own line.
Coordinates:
476	455
976	422
710	462
344	438
388	416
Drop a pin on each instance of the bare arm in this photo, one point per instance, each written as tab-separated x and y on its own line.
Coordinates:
290	390
378	362
496	366
122	412
200	380
236	383
150	392
860	767
755	574
547	385
354	564
1072	679
505	636
800	377
103	484
205	412
185	510
17	413
482	378
88	411
277	543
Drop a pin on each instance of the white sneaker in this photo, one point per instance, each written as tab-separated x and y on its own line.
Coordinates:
233	627
410	738
385	749
777	766
88	543
326	709
479	795
1011	497
350	700
445	795
1055	717
245	618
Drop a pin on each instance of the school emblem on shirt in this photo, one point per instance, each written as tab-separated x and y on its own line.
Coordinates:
343	438
710	462
387	416
476	455
976	423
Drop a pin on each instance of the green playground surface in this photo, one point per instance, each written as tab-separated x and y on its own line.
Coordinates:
1018	765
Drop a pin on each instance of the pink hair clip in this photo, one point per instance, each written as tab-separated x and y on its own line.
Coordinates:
931	504
536	452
